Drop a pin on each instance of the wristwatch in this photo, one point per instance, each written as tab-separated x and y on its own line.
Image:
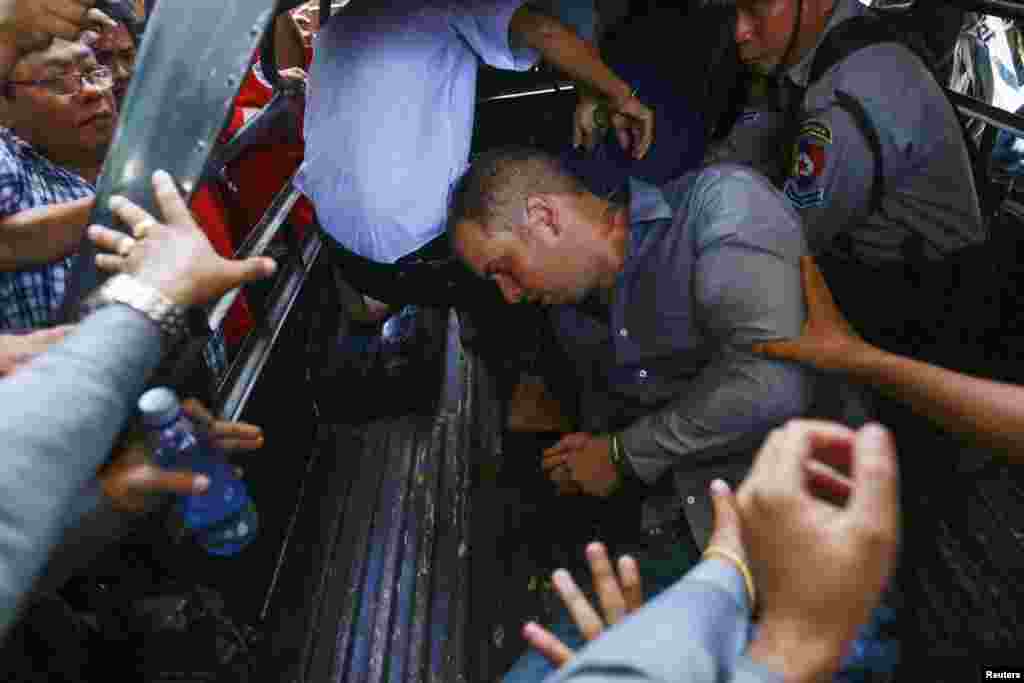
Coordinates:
171	318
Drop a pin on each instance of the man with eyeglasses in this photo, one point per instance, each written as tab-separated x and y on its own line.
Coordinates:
116	45
58	114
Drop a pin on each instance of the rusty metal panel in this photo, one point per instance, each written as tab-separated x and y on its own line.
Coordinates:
191	63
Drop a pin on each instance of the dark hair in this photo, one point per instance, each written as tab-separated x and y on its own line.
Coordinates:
123	12
494	188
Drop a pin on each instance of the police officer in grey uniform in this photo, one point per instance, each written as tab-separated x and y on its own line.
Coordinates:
886	254
860	233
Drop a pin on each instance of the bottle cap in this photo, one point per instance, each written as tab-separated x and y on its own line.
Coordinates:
159	406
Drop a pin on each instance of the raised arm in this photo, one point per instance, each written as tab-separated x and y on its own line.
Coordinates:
42	235
990	413
559	45
27	25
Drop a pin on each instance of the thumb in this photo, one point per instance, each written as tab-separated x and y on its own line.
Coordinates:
784	350
727	533
249	270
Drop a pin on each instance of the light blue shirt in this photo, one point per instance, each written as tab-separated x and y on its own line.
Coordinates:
389	117
696	631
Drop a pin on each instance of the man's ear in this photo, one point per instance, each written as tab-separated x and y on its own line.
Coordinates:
543	216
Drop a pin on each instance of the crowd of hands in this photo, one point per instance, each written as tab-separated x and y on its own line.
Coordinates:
816	520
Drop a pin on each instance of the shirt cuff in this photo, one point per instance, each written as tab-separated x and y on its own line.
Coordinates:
723	574
749	671
643	452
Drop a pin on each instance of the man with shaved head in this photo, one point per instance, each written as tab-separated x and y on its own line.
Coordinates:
656	302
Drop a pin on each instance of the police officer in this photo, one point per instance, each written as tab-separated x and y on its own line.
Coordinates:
878	166
922	206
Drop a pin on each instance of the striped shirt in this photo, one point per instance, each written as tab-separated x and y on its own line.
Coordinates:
31	297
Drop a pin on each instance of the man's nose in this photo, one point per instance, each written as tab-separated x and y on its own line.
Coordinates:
91	91
744	27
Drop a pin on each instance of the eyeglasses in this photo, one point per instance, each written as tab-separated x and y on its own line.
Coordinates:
69	83
120	59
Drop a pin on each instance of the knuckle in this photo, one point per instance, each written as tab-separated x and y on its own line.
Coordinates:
876	537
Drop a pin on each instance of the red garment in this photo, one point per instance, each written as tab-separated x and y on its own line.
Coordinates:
263	169
259	174
209	211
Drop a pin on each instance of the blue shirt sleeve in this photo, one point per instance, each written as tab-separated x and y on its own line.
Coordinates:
484	25
694	632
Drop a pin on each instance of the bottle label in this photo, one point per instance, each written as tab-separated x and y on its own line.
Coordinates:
232	534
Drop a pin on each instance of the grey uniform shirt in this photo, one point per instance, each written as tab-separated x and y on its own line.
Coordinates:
929	187
712	268
694	632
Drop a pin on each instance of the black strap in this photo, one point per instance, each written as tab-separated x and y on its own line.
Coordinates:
848	37
860	32
852	106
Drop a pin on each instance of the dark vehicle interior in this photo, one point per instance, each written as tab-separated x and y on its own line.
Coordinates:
397	540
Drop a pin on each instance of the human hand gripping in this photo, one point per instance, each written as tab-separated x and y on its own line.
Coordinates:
28	25
588	126
581	462
174	257
131	479
633	122
820	564
828	341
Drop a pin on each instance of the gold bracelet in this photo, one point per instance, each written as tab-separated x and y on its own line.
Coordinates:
748	578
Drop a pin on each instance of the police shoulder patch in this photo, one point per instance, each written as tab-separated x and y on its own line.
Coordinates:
817	130
803	198
804	186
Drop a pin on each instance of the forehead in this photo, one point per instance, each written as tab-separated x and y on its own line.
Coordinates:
60	54
476	248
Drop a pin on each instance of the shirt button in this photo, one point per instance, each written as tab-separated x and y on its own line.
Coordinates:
623	332
642	374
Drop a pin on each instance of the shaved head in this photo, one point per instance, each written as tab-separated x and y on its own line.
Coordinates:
493	191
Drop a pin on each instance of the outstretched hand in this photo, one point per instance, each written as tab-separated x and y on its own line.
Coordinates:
132	479
828	341
174	257
617	594
32	24
29	25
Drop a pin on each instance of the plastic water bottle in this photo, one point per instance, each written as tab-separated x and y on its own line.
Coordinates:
224	518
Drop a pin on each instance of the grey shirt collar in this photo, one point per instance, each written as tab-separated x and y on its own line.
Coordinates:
800	72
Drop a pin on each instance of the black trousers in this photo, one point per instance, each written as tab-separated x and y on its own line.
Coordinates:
504	335
429	276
